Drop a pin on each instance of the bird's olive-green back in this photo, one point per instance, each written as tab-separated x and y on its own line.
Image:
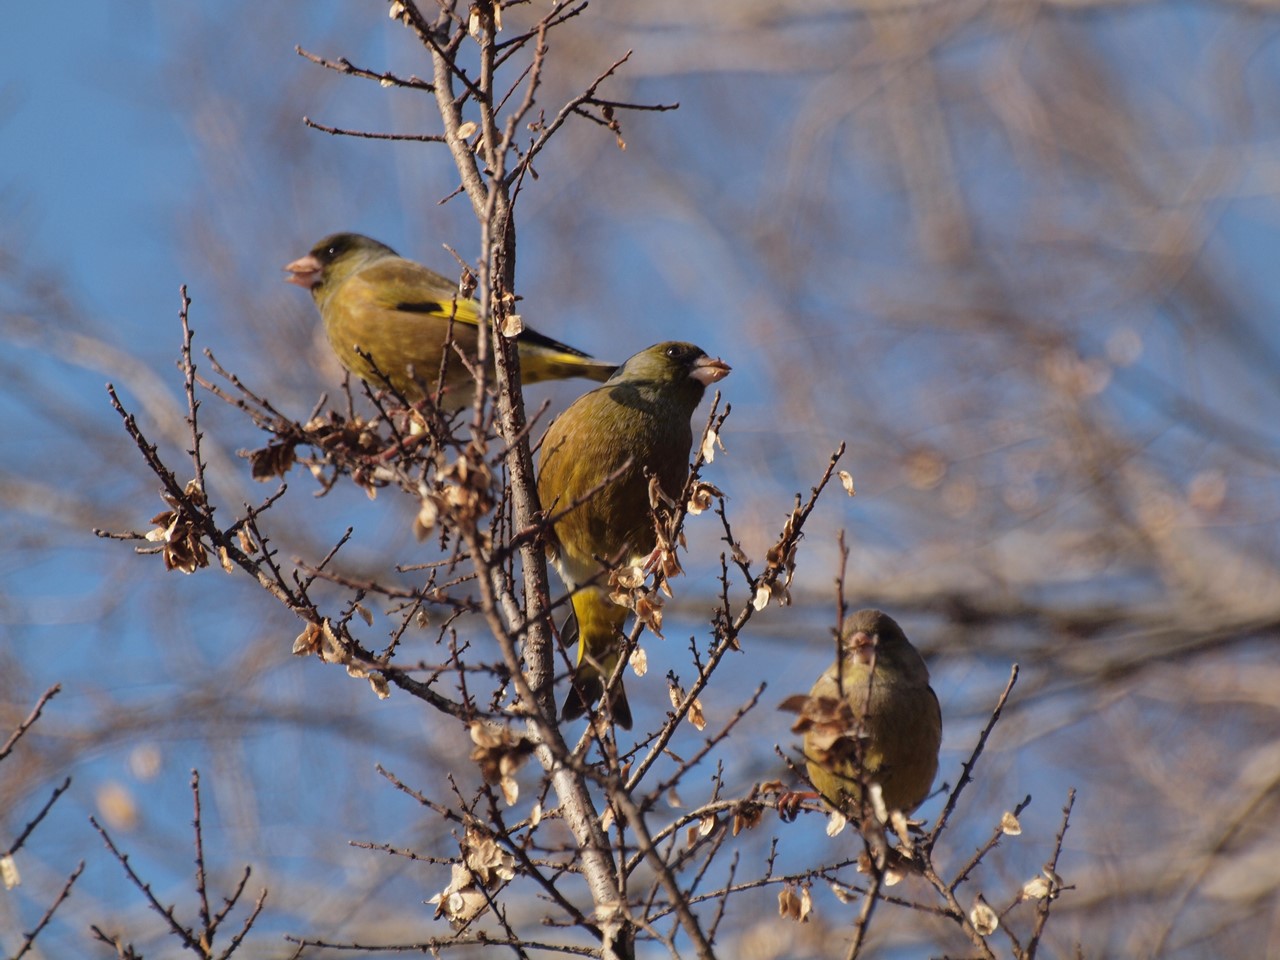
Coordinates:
401	316
641	415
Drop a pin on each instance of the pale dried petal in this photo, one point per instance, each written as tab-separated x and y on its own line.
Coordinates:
761	599
676	693
1037	888
1009	825
331	650
806	904
535	815
9	872
639	662
983	918
709	444
510	790
836	823
696	716
380	686
876	793
365	615
465	130
460	902
512	325
484	734
1046	885
707	824
846	478
788	903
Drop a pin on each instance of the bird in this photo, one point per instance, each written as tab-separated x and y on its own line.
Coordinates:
872	718
603	450
389	319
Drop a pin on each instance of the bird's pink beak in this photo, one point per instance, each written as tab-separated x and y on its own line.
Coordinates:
709	369
862	646
305	270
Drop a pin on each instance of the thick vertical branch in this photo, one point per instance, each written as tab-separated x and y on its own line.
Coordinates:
490	198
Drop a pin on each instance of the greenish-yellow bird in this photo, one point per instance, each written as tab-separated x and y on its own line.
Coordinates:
873	718
602	451
377	306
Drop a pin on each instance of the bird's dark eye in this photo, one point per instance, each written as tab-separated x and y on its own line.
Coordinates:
673	351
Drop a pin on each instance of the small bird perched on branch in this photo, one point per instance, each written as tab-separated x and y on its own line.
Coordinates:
871	718
597	461
389	320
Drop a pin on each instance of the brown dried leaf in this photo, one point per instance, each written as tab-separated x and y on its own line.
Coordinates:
485	858
499	754
747	816
794	906
649	612
273	460
703	497
308	641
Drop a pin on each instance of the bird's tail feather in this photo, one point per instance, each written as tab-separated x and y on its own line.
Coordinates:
598	623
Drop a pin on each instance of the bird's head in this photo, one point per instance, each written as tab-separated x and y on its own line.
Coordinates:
674	363
871	635
334	259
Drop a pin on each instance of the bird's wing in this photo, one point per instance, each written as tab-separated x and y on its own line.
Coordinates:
408	287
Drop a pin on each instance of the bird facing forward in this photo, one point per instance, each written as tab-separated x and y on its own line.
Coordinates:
389	320
872	718
597	458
